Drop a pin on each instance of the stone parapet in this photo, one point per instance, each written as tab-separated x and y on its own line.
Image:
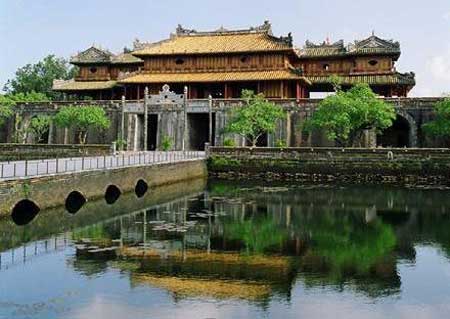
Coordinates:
394	165
13	152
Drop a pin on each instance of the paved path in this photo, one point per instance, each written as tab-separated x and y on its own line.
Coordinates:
24	169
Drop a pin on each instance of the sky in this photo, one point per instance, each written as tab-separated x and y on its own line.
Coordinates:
32	29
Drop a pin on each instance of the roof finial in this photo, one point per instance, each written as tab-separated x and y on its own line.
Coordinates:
373	33
327	40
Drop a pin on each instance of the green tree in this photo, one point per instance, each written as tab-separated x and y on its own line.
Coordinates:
256	117
39	77
440	126
30	97
7	104
82	118
6	108
39	126
336	82
345	115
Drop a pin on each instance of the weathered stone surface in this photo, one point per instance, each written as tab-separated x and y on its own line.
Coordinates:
12	152
424	166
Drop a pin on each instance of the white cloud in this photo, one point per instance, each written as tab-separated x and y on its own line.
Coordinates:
447	16
439	66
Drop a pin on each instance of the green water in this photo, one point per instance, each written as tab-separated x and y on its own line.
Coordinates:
232	250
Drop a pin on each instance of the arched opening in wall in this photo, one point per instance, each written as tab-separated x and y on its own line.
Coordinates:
112	194
4	132
24	212
152	132
397	135
141	188
198	130
74	201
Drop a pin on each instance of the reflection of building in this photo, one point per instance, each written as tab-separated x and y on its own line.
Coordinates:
259	243
221	63
215	274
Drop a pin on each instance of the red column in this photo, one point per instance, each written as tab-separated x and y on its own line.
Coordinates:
225	91
299	90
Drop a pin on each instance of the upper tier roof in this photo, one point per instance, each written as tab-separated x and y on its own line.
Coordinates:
373	45
184	41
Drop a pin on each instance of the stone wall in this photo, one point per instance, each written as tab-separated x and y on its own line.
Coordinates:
12	152
415	111
52	191
427	166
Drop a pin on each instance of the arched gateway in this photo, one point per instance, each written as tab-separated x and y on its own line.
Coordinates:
402	133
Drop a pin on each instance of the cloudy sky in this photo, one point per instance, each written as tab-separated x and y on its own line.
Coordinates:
31	29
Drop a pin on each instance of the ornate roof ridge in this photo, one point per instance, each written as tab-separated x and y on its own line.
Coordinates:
370	45
180	31
324	44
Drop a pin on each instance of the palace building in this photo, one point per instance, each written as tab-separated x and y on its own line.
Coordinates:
222	63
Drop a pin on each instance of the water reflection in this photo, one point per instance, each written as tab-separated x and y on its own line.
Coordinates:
250	243
254	243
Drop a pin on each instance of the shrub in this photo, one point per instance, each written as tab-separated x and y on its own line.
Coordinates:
166	143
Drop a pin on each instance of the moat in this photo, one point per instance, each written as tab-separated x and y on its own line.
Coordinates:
234	250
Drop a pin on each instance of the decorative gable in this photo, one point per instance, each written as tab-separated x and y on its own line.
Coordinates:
92	55
374	44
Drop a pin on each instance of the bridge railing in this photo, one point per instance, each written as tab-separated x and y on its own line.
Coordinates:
46	167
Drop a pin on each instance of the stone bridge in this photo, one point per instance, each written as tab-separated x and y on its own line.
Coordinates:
205	119
73	185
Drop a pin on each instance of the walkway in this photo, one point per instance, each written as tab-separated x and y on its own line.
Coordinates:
36	168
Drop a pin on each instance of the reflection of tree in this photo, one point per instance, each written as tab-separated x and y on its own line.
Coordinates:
257	235
348	244
337	245
428	227
100	231
344	249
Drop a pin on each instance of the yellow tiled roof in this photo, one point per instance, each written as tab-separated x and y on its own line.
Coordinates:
125	58
207	287
373	79
215	43
213	77
72	85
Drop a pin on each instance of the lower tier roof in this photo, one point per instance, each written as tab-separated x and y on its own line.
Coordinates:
71	85
213	77
371	79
